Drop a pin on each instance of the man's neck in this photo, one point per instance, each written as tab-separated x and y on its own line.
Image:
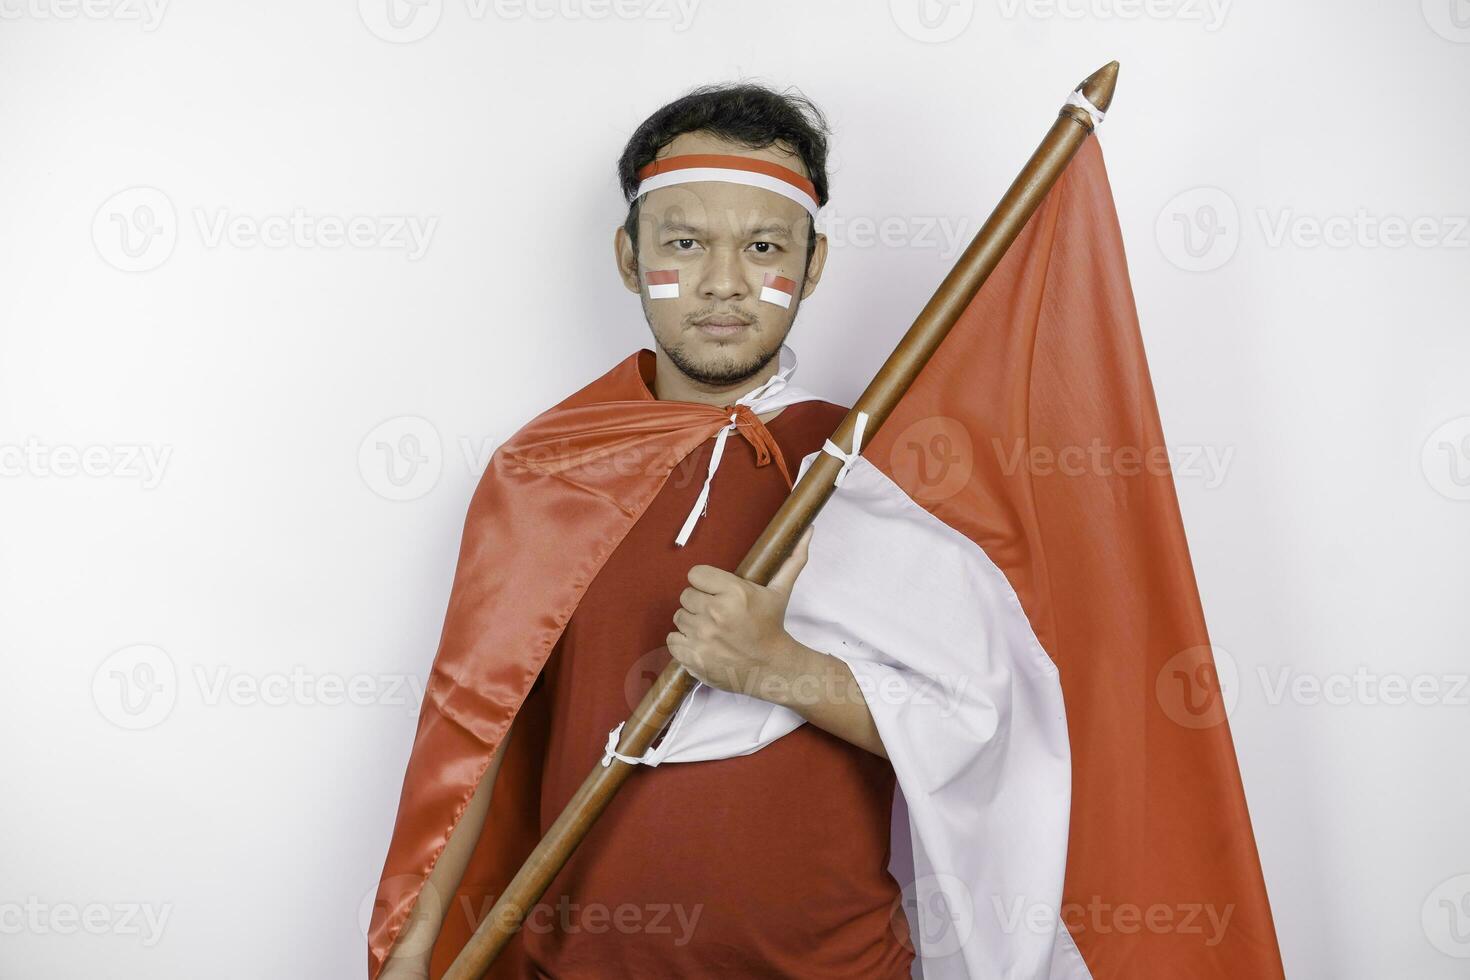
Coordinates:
671	384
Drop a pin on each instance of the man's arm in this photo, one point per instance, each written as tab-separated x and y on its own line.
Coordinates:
409	959
729	633
824	691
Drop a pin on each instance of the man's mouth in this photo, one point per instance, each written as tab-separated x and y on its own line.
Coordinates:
722	326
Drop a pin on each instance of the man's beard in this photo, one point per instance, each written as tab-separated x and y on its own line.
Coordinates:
719	375
731	372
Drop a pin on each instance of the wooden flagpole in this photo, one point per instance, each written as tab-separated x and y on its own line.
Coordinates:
1073	125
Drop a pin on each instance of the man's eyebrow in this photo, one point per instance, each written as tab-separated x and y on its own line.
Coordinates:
777	229
771	229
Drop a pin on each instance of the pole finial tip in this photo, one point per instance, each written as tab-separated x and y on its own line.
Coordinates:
1099	86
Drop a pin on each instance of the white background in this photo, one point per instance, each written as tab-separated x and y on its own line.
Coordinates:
180	621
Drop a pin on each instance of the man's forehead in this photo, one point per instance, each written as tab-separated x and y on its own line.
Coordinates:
719	204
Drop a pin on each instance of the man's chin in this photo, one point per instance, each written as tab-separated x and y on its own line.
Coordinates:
716	362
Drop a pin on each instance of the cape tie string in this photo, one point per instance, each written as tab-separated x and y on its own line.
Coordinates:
745	421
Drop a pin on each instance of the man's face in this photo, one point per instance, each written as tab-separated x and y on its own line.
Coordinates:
722	240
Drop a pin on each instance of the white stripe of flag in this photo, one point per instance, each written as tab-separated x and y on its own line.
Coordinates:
662	283
778	290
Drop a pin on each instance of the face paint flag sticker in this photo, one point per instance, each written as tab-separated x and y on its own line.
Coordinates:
662	283
778	290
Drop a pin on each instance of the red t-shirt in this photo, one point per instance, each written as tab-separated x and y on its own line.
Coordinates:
773	864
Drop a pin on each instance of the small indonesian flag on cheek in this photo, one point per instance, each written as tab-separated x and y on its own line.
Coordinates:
778	290
662	283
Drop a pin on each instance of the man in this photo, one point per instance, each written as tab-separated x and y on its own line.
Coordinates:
768	864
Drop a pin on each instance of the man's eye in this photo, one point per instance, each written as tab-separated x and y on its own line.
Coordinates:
765	248
684	243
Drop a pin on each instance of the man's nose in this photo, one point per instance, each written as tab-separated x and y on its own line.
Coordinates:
723	275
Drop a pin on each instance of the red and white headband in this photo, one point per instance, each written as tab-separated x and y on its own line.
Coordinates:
689	167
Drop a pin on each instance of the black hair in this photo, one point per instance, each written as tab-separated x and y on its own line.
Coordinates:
746	113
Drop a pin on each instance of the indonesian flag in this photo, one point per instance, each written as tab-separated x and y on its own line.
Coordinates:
1003	568
662	283
778	289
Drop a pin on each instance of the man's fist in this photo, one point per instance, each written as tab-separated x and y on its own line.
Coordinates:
731	634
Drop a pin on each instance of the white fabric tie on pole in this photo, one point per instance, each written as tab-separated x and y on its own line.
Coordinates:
848	458
612	752
1085	104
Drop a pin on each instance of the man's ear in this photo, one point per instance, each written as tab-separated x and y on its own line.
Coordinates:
627	259
815	266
